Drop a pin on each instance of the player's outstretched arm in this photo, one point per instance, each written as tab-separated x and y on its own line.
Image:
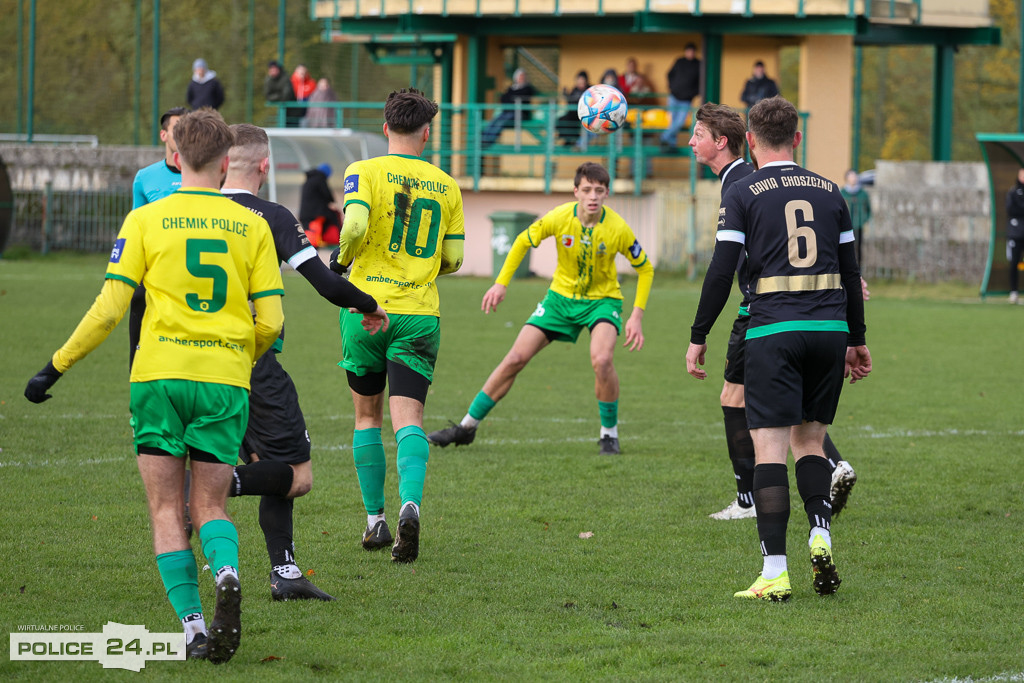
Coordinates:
634	330
99	321
336	289
694	358
858	362
492	297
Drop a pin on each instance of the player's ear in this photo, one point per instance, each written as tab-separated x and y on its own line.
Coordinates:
176	158
265	165
797	138
386	130
426	133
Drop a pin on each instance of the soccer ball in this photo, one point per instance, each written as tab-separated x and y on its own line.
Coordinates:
602	109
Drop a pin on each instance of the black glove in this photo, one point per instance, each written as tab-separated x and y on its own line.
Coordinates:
37	387
333	264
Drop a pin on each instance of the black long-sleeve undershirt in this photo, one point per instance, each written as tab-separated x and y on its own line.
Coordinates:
714	294
335	288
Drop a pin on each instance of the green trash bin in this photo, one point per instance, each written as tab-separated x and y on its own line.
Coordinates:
506	226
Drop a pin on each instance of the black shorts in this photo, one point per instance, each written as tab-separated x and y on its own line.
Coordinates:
403	380
737	345
276	429
794	376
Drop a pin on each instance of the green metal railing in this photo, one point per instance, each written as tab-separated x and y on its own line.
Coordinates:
533	143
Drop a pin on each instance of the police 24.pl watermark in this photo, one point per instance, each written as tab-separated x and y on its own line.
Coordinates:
119	646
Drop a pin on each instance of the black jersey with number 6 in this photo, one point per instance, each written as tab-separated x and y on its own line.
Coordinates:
794	225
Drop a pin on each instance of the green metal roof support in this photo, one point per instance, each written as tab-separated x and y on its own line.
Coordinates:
446	95
136	76
20	66
712	67
250	53
155	111
30	123
942	104
858	72
281	17
1020	84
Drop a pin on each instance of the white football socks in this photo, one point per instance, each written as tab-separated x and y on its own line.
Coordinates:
820	531
288	571
371	520
226	571
469	421
773	566
194	625
610	431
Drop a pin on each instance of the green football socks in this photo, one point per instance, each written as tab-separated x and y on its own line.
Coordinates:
609	413
371	468
181	581
413	451
220	545
480	406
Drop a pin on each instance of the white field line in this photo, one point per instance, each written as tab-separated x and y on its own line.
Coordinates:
866	431
997	678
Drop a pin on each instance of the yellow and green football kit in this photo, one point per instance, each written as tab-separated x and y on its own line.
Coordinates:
404	226
584	290
585	272
415	230
203	257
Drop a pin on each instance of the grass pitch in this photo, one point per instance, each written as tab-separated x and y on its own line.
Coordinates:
505	588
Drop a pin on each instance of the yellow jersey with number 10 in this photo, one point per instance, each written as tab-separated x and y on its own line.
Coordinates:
413	206
201	257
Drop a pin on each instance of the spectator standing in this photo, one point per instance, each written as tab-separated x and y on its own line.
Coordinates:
683	86
303	86
610	77
1015	232
277	87
204	90
759	86
318	116
860	210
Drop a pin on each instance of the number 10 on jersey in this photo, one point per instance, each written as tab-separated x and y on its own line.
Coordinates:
408	219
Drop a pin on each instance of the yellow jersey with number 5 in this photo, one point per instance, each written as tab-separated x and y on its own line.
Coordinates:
202	257
414	206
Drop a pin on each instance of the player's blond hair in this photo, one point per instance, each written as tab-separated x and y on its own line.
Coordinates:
251	147
202	138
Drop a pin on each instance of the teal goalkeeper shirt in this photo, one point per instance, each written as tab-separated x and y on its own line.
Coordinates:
154	182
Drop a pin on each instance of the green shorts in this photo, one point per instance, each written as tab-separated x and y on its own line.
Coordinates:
563	318
173	414
411	340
